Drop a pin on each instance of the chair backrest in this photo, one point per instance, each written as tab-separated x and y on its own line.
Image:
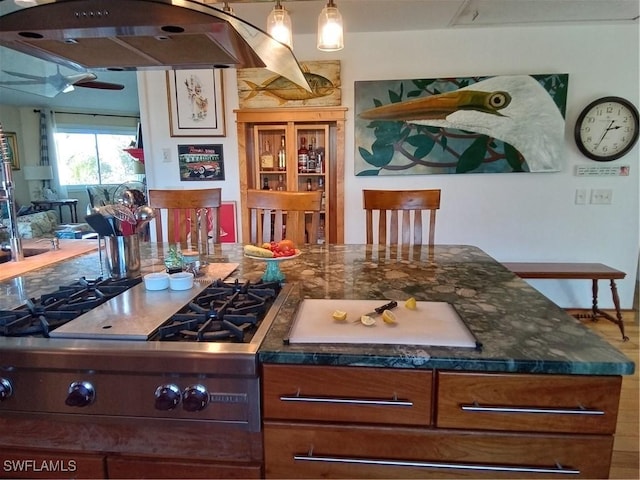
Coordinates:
274	215
192	216
388	203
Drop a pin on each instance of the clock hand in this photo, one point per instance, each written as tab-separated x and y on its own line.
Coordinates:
603	135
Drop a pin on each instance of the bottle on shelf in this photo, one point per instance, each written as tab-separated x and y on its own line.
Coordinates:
321	188
266	157
311	162
309	185
303	156
319	160
265	183
280	186
282	155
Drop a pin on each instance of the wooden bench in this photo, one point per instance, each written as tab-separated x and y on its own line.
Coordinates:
577	271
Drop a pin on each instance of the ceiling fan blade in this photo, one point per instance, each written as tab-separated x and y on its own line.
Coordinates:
99	85
23	82
23	75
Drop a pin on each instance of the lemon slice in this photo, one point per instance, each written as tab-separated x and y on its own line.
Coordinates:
367	320
411	304
339	316
389	317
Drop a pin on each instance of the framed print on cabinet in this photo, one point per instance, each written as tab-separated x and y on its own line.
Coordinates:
12	143
196	103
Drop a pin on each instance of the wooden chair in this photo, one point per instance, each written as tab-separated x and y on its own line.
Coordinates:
405	202
275	215
192	216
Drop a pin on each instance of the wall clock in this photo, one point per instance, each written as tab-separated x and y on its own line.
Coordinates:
607	129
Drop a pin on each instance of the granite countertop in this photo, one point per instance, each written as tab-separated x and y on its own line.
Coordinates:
520	330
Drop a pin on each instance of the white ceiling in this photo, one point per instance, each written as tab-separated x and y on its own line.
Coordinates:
362	16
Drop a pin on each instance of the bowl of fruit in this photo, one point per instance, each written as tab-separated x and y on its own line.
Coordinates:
272	253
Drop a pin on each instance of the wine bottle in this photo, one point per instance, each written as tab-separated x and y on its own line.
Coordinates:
311	163
282	155
266	157
303	156
280	186
265	183
309	185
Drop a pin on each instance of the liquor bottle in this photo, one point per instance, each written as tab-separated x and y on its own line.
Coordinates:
280	186
309	185
319	160
265	183
303	156
282	155
321	188
266	157
311	163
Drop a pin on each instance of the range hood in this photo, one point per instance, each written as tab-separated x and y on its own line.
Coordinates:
141	34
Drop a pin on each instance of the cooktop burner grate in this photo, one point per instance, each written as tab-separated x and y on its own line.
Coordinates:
221	312
41	316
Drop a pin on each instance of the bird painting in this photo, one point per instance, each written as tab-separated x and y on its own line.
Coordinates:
514	109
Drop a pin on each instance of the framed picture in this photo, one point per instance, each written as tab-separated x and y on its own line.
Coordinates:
12	143
200	162
196	103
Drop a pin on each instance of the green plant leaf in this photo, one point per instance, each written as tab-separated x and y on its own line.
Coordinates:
513	158
423	143
473	156
368	173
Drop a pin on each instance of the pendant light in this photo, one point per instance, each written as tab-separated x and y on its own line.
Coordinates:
330	38
279	25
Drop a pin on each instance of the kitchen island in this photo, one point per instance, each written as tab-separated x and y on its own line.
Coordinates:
539	398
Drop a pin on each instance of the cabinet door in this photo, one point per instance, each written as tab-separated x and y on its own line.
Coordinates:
25	463
347	394
137	467
299	450
541	403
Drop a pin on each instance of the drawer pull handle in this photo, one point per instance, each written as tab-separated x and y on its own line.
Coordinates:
496	409
441	465
395	402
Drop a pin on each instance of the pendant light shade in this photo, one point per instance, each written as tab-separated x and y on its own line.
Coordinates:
279	25
330	37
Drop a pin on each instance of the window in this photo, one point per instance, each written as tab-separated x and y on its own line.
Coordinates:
93	158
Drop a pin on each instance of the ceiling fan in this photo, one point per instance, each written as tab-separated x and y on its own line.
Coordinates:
58	83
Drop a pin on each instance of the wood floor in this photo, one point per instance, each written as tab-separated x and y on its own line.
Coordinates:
625	463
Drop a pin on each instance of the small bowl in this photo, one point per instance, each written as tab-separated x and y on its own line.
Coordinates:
156	281
181	281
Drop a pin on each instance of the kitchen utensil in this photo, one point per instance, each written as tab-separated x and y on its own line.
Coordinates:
123	256
378	311
100	224
144	214
119	211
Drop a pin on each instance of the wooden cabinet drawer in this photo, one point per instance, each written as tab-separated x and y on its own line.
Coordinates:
328	451
347	394
143	467
539	403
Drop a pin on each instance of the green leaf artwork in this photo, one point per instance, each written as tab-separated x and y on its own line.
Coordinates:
501	124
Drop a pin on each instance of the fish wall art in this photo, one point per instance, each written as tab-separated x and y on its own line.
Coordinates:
261	88
501	124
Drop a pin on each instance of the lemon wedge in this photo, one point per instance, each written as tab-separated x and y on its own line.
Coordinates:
367	320
389	317
411	304
339	316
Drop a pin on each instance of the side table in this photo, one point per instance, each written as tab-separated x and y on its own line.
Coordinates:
72	203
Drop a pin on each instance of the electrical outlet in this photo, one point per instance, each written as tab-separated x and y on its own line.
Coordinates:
166	155
581	196
601	196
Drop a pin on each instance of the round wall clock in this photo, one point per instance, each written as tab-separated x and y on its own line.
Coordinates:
607	128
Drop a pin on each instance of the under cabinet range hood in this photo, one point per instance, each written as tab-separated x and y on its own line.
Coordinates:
141	34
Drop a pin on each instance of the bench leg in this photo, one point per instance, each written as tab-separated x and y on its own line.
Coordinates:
594	291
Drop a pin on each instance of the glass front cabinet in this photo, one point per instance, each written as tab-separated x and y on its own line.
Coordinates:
295	149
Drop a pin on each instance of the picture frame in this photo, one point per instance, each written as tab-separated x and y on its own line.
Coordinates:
200	162
196	103
12	142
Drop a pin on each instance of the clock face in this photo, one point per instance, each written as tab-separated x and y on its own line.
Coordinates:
607	129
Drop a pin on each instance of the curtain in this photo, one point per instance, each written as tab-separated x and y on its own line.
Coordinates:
48	154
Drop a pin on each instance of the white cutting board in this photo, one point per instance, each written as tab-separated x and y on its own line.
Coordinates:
430	324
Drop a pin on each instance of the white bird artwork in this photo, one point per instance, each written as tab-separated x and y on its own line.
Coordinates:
515	109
